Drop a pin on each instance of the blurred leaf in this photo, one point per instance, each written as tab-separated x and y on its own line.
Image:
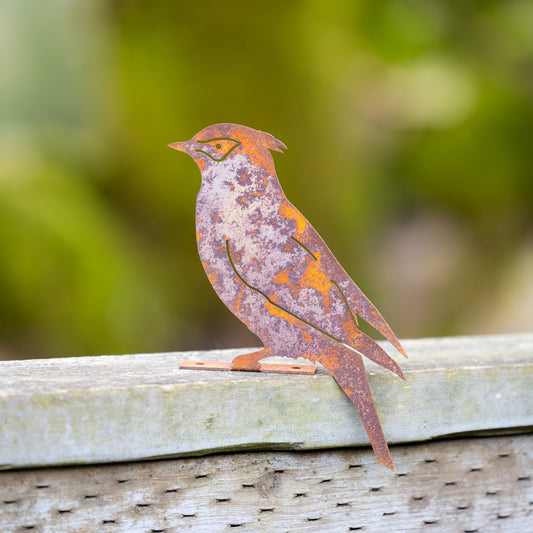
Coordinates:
70	275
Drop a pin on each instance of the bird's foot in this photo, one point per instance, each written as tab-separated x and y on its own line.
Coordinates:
249	362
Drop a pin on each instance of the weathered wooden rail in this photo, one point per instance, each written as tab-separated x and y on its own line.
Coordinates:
112	444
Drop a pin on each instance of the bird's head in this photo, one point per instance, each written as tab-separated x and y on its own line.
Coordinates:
222	142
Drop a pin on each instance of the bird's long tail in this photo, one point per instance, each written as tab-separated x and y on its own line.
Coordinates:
348	369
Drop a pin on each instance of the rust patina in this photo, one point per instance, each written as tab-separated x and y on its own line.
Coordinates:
276	274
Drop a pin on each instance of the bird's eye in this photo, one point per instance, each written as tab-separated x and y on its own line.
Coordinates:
218	149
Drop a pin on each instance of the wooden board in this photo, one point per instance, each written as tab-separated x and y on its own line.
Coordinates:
473	485
134	407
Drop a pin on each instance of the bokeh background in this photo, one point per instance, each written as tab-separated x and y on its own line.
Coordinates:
409	125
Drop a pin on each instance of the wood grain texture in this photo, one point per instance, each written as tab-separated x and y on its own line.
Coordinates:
461	485
134	407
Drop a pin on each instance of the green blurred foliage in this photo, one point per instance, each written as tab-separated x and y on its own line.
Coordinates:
408	122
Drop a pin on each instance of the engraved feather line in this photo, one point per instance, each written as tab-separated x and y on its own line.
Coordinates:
306	249
269	300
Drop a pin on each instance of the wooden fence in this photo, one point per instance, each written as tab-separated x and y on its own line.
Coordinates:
131	443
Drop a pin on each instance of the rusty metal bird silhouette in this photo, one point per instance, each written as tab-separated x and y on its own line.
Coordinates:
276	274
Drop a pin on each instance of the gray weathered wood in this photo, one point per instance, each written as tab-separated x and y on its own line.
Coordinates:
133	407
481	484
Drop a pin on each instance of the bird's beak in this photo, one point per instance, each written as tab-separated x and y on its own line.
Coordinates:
187	146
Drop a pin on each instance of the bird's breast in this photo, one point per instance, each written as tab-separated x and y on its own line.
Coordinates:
243	217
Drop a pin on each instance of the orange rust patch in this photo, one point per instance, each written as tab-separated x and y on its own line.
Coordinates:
349	329
213	278
198	235
286	210
314	276
307	336
259	155
276	311
201	164
282	277
239	299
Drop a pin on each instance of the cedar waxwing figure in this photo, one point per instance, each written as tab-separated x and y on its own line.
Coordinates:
276	274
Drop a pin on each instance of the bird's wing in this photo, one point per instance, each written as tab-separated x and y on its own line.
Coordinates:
356	301
299	274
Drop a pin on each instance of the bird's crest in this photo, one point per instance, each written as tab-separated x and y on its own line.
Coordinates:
272	143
